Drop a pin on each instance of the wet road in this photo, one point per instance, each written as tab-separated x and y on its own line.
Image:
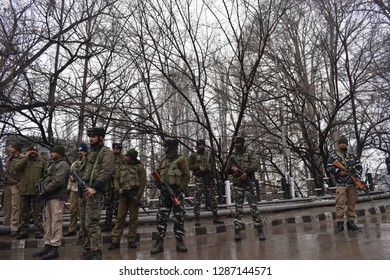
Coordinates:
304	241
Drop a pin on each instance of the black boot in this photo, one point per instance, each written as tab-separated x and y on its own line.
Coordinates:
216	220
97	255
352	226
261	234
339	227
237	235
42	252
158	246
87	255
113	246
180	246
197	222
52	254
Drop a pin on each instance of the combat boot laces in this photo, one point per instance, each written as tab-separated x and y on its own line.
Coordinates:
352	226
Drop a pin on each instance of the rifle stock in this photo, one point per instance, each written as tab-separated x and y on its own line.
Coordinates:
248	180
82	186
130	195
166	187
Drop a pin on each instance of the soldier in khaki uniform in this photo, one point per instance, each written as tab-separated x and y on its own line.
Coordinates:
174	171
130	183
11	190
243	185
346	192
54	194
31	168
96	173
76	199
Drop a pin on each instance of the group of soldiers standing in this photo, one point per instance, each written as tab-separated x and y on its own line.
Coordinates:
104	176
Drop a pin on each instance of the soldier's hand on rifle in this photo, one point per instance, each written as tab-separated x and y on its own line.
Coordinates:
136	200
202	169
235	169
244	176
90	192
342	173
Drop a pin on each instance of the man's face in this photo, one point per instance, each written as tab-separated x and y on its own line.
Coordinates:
12	150
343	146
237	144
117	151
201	147
93	139
32	153
55	155
80	153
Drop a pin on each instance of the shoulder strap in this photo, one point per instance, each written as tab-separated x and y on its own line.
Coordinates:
94	165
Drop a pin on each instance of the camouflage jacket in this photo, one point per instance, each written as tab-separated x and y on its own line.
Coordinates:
12	177
350	161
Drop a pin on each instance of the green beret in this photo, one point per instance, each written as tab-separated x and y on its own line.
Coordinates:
17	146
342	139
32	147
59	150
132	153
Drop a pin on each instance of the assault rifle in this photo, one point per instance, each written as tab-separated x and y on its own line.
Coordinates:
131	195
41	191
358	184
248	180
166	187
81	185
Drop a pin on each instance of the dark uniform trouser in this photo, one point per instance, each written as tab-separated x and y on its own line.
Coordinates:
25	207
93	235
124	206
210	193
164	210
346	196
239	196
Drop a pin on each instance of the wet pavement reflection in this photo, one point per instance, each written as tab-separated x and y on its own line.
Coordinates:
304	241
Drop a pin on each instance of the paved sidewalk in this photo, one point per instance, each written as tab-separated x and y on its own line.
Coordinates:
273	213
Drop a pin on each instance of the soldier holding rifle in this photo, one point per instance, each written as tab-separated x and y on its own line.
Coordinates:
54	194
346	192
96	173
175	176
203	169
242	166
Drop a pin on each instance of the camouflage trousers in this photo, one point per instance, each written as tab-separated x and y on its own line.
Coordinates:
208	189
93	235
28	203
240	193
178	211
111	205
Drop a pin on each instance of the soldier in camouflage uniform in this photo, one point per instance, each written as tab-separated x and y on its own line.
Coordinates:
130	183
11	190
54	194
346	192
243	185
202	166
111	197
97	174
174	172
31	168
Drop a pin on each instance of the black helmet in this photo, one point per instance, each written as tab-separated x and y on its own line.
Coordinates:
238	139
174	143
200	142
117	145
99	131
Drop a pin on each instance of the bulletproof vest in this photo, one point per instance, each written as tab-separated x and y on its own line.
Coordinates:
170	171
128	176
